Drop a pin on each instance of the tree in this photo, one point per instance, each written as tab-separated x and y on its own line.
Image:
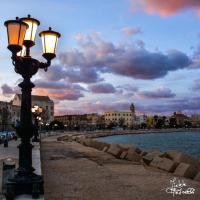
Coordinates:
187	124
160	123
172	122
155	118
111	125
56	125
150	122
143	125
121	122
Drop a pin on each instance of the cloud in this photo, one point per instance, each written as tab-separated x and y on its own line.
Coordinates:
157	94
93	107
8	91
126	90
77	74
190	106
59	90
54	73
130	31
146	65
165	8
62	94
102	88
196	85
96	56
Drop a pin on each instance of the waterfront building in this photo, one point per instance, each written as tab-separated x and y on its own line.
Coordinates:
180	118
143	119
121	118
44	102
195	120
118	118
84	121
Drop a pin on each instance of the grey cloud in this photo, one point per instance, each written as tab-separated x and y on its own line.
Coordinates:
130	61
159	93
196	85
102	88
8	90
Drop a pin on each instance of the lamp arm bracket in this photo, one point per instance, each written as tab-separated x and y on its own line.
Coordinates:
45	65
16	59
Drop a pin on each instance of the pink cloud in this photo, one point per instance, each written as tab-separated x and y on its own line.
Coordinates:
165	7
130	31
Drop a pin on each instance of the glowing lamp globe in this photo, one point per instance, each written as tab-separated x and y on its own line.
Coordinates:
29	39
16	31
49	43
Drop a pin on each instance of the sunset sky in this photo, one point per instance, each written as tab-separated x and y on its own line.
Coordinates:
113	53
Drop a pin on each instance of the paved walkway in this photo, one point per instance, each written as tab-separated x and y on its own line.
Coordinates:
12	152
75	172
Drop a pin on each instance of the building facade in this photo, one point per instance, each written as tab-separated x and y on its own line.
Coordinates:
44	102
5	116
119	118
195	120
85	121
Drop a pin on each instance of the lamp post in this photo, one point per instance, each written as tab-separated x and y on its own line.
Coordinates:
22	32
36	111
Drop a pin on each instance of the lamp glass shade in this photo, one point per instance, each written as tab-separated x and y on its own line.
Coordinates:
16	32
22	53
29	39
49	43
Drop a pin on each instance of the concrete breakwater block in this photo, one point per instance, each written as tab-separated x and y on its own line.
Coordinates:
167	165
123	154
197	177
132	155
164	164
183	158
147	158
127	147
115	150
154	162
186	170
63	138
143	153
95	144
105	149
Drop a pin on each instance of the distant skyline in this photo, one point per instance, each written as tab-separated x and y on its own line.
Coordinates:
112	54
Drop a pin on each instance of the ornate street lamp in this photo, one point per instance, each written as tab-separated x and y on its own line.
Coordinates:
21	32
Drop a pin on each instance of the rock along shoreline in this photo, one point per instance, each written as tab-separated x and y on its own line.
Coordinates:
177	163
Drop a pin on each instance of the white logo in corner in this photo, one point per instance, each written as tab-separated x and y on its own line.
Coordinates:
179	187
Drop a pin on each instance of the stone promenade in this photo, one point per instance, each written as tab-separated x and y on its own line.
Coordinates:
12	152
75	172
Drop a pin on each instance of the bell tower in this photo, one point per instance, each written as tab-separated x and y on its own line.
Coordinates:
132	109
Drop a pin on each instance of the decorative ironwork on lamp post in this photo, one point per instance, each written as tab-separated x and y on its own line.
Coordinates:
36	111
21	32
